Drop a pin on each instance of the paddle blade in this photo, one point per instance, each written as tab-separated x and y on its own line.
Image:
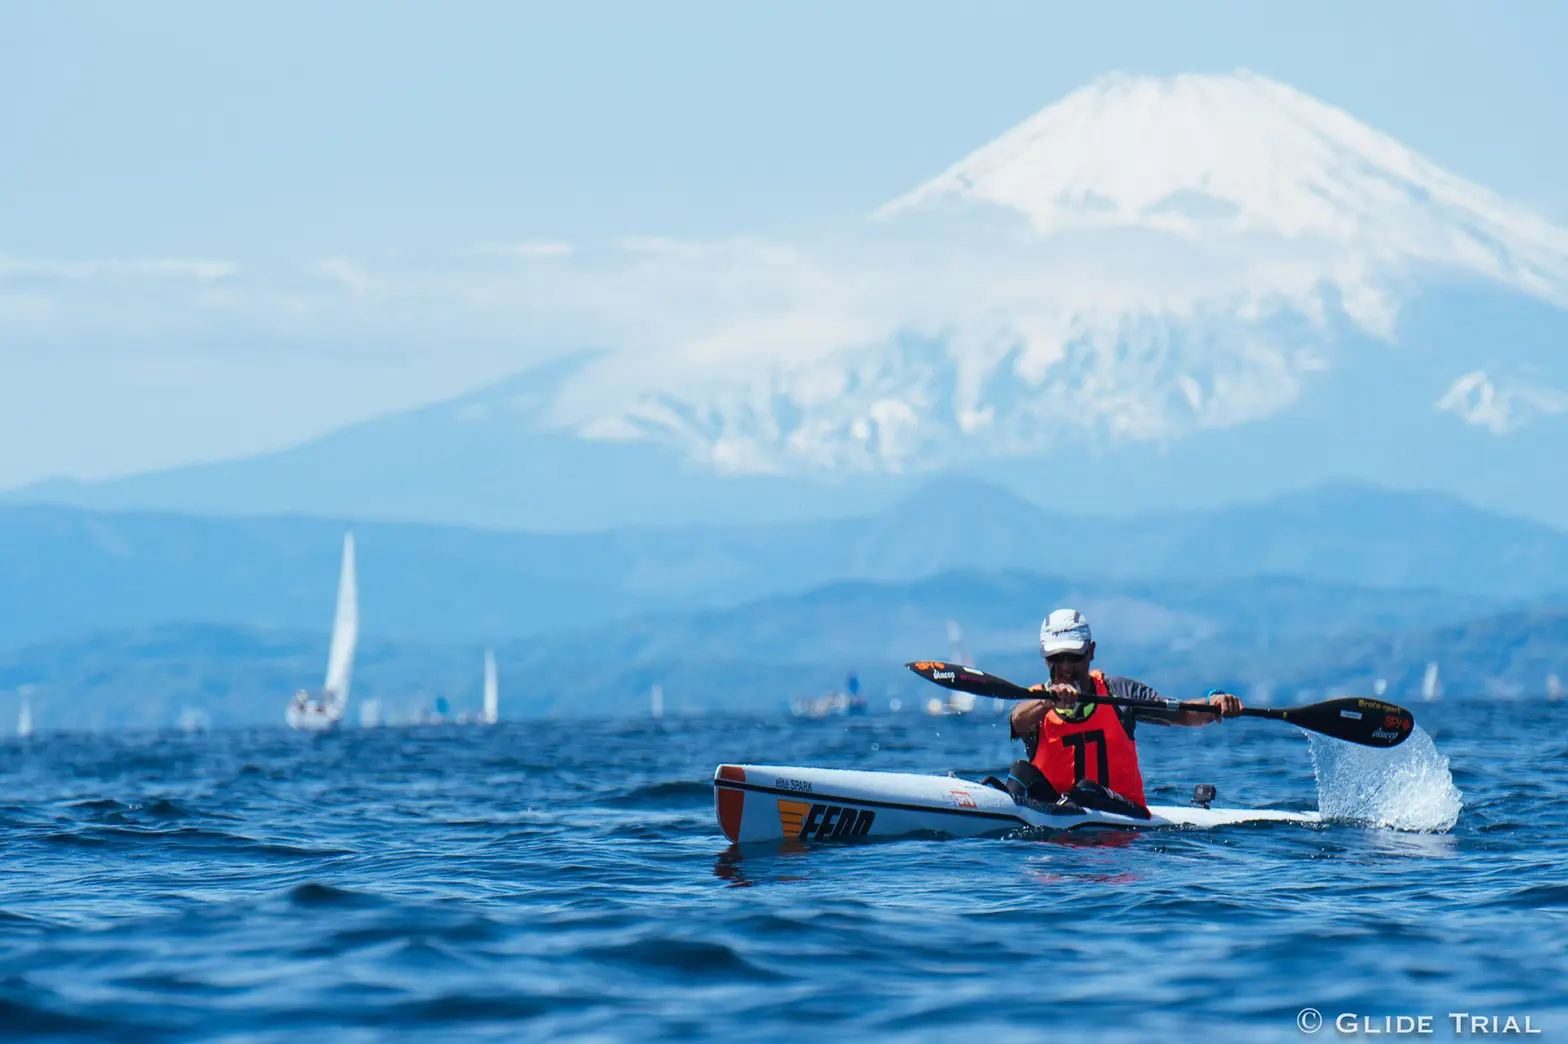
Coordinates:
969	679
1371	723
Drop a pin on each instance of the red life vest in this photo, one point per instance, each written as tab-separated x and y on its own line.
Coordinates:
1096	748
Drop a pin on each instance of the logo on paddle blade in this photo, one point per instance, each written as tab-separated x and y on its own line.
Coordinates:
928	665
801	821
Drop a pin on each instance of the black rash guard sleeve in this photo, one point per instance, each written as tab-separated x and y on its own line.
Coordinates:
1128	689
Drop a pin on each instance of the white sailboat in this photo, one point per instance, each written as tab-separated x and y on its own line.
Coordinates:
1554	688
656	701
325	711
492	692
1431	688
24	714
955	702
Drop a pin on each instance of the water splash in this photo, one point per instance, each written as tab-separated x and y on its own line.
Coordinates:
1407	787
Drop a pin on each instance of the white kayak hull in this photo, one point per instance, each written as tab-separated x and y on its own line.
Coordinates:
771	803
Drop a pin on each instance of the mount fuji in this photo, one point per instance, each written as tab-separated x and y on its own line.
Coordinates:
1155	292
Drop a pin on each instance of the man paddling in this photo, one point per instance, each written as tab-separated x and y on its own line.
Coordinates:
1081	753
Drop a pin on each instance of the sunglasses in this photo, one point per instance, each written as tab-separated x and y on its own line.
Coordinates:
1066	658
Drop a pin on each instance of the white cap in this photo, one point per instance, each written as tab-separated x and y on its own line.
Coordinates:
1064	631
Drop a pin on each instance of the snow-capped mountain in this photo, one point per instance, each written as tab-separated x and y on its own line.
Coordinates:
1200	156
1144	259
1213	287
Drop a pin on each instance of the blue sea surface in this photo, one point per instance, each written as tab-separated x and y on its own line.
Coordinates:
567	880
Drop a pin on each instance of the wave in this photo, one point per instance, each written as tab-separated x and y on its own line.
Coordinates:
664	794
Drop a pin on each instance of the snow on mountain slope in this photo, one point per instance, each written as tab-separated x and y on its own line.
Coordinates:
1241	154
1143	260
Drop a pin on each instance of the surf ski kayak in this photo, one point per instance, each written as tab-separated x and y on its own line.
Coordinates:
770	803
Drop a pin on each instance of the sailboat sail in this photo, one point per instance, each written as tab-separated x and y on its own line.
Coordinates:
656	701
492	690
345	635
958	702
955	639
1431	688
24	716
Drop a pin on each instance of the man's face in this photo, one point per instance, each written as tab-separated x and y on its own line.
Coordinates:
1072	668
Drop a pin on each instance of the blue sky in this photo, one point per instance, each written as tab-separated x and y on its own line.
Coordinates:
280	129
275	134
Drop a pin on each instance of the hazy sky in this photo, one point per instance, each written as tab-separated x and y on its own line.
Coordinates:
147	142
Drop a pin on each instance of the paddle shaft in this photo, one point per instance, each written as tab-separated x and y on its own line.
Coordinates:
1371	723
1021	693
1272	713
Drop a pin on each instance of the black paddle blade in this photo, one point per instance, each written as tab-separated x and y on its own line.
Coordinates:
969	679
1371	723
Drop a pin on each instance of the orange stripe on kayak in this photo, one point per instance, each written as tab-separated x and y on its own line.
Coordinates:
732	803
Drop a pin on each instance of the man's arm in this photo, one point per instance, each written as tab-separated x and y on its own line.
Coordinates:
1150	706
1024	721
1025	717
1156	711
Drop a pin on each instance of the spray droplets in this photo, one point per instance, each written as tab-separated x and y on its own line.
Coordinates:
1407	787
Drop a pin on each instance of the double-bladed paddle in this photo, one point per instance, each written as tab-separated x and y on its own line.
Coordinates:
1371	723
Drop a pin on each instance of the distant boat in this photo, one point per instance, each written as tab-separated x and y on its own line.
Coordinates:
370	714
857	703
656	701
1431	688
194	719
845	701
325	711
492	692
24	714
1554	688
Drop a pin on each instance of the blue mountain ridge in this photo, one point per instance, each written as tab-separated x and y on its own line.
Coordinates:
64	571
1272	639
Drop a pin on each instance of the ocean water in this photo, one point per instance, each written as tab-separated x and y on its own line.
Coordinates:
567	881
